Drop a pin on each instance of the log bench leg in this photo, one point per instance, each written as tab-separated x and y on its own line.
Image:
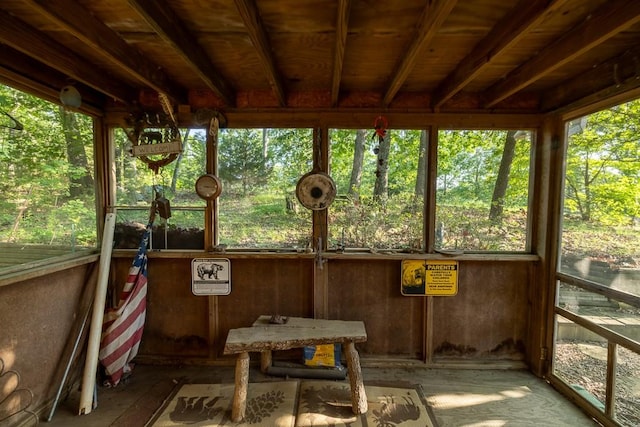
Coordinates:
265	361
239	406
358	395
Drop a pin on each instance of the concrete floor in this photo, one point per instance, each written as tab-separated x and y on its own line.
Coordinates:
459	398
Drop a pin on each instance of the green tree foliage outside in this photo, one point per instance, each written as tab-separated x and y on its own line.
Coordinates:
259	169
46	173
469	164
137	185
359	218
46	182
601	218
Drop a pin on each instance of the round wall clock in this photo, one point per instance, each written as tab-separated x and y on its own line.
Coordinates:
208	186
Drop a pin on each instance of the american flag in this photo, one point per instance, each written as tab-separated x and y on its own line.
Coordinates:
122	326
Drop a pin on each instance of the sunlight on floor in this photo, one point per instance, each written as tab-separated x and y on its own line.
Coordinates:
461	400
285	420
486	423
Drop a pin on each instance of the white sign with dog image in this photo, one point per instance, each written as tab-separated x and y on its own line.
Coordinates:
211	276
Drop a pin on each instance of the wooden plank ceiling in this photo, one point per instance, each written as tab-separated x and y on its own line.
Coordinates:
401	55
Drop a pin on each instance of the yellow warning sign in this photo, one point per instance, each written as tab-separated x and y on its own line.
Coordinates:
429	277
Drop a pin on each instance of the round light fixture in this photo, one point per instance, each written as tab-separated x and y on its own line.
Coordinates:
70	97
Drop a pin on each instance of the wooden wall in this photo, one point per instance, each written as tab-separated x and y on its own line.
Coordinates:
370	291
37	320
181	325
487	320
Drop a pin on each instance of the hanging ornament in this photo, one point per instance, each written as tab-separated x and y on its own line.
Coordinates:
316	190
155	138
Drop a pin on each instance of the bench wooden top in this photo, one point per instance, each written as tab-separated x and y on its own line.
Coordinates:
297	332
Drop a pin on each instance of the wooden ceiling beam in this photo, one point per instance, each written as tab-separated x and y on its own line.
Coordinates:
34	44
74	18
611	78
505	34
432	18
609	20
29	75
258	35
165	22
24	84
342	25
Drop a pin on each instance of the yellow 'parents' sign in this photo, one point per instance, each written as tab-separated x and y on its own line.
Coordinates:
429	277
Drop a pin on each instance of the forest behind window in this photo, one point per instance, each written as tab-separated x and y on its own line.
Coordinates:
599	264
259	169
601	215
381	184
47	178
138	185
482	187
482	190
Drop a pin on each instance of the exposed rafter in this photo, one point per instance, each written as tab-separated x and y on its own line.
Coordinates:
71	16
291	55
342	25
432	18
614	76
34	44
16	66
253	23
505	34
165	22
607	21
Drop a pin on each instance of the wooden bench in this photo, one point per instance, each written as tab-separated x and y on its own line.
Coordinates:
265	337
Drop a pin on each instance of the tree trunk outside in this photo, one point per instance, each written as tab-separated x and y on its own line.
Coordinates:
176	170
82	184
265	144
422	167
502	180
585	213
381	187
358	159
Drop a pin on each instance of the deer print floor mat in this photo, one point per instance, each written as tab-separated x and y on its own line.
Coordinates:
328	403
268	404
294	403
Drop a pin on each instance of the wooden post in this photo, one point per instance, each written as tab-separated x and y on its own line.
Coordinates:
239	406
428	336
358	395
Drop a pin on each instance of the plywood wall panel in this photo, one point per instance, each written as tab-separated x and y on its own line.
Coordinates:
177	322
36	317
488	316
487	319
265	286
370	291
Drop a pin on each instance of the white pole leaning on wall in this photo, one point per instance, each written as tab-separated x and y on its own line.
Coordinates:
97	316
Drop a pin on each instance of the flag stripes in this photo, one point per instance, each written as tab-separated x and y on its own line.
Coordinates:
122	327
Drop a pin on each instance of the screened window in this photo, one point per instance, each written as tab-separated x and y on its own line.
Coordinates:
47	208
380	183
139	183
259	169
599	282
601	215
482	193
